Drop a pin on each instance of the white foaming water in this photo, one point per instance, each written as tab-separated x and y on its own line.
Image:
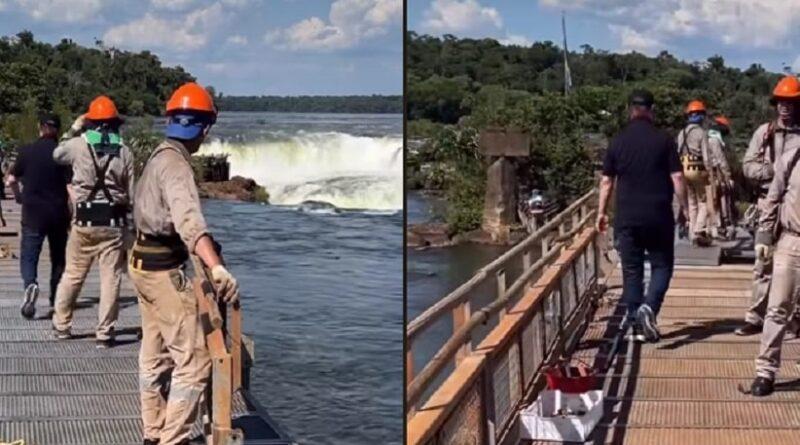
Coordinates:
349	172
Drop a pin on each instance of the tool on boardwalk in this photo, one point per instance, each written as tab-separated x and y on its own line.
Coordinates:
226	374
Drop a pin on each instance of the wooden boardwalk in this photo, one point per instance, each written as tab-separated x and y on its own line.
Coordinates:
683	390
68	392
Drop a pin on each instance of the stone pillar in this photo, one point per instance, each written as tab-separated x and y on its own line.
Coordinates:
500	204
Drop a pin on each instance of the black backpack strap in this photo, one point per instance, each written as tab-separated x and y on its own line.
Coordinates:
100	173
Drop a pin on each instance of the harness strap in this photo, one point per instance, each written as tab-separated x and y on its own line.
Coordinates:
100	172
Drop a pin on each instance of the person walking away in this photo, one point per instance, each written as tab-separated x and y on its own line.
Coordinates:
102	187
721	190
779	226
769	142
45	209
171	227
693	149
642	163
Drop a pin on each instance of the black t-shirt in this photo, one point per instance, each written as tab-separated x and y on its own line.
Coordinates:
44	185
641	158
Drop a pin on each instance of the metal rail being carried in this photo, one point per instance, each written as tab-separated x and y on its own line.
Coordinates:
476	402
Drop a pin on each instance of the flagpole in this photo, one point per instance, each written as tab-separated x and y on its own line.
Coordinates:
567	74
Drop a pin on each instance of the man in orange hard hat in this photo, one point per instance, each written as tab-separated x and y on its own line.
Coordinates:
102	186
693	150
721	188
769	142
778	226
171	227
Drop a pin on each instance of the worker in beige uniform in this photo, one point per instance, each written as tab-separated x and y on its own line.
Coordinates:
721	189
693	151
769	142
101	190
171	227
780	218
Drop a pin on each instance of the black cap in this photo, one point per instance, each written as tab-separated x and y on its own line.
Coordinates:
50	119
641	97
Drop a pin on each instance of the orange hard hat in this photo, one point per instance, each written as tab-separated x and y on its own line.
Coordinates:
695	106
191	97
787	88
722	120
102	108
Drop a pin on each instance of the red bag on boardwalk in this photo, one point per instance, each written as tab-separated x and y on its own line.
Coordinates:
571	379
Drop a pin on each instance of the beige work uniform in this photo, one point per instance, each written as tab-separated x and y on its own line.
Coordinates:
722	177
758	167
167	203
696	143
87	244
781	207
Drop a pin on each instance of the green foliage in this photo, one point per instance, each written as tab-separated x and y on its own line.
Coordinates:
464	179
140	137
72	75
312	104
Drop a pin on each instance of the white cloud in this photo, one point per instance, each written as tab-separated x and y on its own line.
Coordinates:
749	24
236	3
188	33
632	40
349	22
460	16
172	5
216	67
62	10
237	40
515	39
796	65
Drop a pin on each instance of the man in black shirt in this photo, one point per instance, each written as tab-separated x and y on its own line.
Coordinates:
45	209
642	162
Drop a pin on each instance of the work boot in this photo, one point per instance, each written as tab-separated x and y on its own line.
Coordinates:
105	343
63	334
647	320
748	329
151	442
762	386
28	309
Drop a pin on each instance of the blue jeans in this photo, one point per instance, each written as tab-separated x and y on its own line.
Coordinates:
658	242
31	248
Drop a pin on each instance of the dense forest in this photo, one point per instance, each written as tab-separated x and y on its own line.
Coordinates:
313	104
456	87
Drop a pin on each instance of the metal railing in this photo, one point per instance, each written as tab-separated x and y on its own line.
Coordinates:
488	383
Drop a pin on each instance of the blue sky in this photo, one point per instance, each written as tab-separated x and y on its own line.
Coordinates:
742	31
282	47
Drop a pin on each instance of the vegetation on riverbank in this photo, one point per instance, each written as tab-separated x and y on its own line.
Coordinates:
313	104
456	87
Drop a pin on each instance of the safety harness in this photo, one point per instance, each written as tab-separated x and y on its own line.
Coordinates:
694	169
158	252
101	211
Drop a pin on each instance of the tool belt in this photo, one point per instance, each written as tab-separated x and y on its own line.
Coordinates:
154	253
100	214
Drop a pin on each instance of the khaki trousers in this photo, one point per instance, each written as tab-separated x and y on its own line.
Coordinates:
783	295
698	212
174	364
85	244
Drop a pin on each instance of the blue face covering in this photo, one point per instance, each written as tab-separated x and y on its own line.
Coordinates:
696	118
186	126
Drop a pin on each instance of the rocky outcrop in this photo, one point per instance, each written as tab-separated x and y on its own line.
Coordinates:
430	235
236	189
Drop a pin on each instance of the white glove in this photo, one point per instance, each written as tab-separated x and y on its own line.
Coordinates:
227	287
763	252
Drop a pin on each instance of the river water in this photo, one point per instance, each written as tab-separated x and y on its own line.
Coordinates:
321	284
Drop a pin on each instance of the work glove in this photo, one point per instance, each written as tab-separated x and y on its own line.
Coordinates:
226	285
763	252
